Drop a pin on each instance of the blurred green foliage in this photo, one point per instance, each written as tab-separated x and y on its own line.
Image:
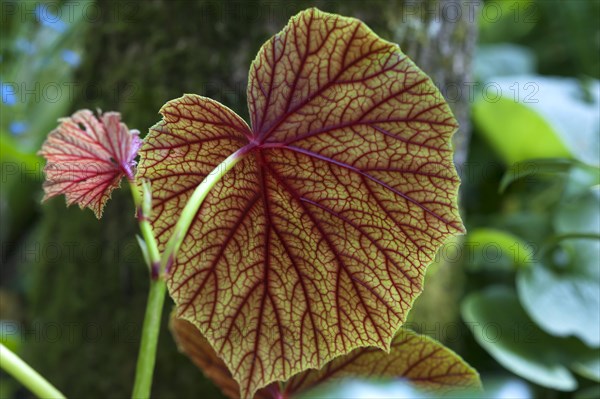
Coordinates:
39	57
564	36
532	198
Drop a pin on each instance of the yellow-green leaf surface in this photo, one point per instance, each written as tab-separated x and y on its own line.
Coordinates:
414	358
316	242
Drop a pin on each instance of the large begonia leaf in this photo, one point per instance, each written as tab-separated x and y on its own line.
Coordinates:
316	242
87	158
414	358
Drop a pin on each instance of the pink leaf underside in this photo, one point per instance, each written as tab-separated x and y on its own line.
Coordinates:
316	242
86	158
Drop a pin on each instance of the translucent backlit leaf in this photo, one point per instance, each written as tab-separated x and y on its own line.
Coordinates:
87	158
316	242
194	345
415	358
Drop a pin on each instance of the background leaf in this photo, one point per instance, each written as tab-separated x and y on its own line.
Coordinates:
564	302
517	132
493	249
563	298
502	327
191	342
418	359
535	167
532	116
415	358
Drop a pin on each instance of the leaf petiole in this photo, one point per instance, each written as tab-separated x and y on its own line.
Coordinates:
156	295
193	205
142	210
159	265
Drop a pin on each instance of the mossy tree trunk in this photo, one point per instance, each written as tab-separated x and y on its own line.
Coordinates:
140	55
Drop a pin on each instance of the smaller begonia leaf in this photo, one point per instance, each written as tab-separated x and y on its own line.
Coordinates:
87	156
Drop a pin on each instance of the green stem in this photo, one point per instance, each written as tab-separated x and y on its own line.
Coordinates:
150	333
555	240
30	378
145	227
160	265
156	298
191	207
